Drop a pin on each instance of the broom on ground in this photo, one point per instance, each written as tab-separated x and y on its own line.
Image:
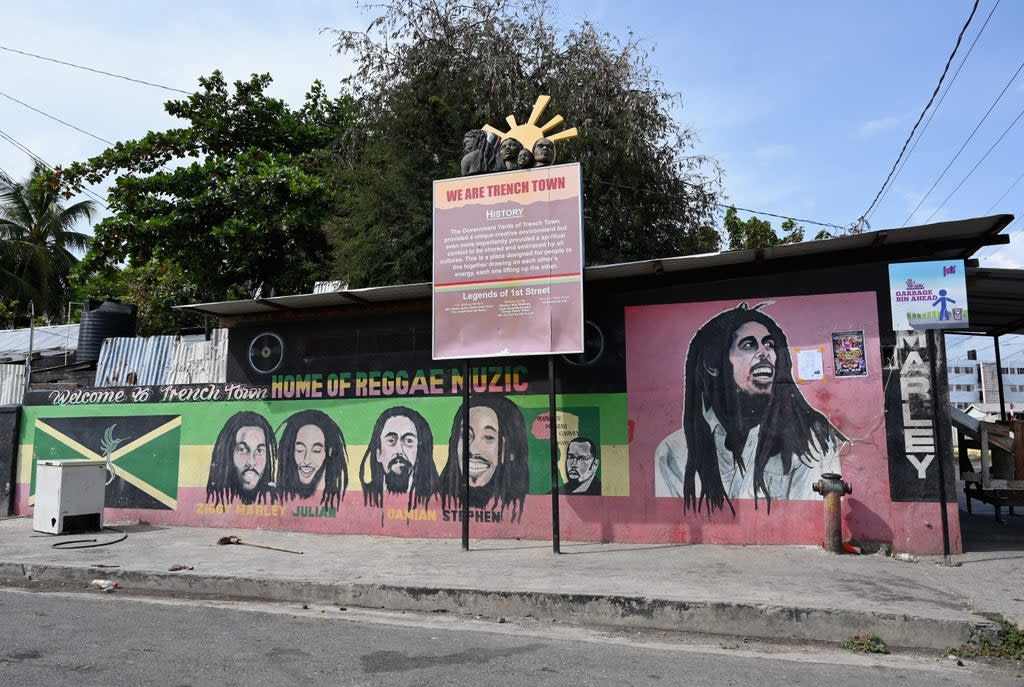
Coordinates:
231	539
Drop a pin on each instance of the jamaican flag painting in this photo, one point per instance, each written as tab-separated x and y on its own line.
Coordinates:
141	452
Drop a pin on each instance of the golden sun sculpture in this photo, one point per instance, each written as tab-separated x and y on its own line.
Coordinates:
529	133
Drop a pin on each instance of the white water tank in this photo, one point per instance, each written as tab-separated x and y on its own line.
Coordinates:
69	496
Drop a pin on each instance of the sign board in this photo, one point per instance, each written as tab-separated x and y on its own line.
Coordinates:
928	295
508	264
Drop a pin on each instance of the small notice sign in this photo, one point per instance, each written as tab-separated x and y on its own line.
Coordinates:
928	295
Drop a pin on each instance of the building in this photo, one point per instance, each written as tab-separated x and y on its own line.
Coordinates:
337	367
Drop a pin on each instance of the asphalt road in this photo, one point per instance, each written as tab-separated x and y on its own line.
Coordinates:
111	639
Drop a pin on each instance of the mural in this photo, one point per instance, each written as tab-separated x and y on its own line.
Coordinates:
243	460
141	454
235	455
582	462
499	471
399	458
747	430
750	428
313	459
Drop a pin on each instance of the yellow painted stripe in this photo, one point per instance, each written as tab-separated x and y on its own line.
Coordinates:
145	438
147	488
68	441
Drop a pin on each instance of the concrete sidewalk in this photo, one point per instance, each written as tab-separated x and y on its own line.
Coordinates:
756	591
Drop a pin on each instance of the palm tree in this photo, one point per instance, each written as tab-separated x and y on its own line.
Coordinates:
36	240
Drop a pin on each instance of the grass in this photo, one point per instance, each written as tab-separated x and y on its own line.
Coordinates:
866	644
1009	642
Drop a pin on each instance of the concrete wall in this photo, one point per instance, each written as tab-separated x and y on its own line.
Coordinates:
8	447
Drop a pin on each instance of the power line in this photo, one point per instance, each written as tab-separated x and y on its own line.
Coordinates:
994	249
724	206
61	121
795	219
969	138
97	71
938	86
991	148
25	149
942	98
1017	181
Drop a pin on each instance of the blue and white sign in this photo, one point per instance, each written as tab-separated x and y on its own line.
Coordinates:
928	295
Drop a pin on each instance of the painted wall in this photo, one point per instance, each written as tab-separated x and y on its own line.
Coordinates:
343	423
312	465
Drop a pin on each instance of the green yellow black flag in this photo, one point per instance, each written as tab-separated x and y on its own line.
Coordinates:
142	452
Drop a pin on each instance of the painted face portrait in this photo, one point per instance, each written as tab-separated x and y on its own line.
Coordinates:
399	459
747	431
250	456
309	453
498	456
313	457
399	444
244	460
580	463
752	358
483	445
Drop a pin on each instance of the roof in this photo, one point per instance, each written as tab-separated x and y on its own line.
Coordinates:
48	340
945	240
995	299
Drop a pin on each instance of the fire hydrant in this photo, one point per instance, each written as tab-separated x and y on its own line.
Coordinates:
832	487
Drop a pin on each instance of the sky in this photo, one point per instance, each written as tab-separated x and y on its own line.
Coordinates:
805	104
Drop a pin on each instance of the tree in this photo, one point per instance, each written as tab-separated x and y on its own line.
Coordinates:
153	287
37	238
428	71
234	200
758	233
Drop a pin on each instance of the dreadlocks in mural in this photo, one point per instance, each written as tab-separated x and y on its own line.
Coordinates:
243	461
399	458
498	457
747	430
313	457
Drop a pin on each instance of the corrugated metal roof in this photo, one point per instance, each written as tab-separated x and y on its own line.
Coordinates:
162	360
957	239
130	361
12	384
200	361
47	340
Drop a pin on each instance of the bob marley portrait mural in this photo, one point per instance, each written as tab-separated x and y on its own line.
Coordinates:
737	403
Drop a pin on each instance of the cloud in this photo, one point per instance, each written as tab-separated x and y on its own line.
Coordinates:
874	126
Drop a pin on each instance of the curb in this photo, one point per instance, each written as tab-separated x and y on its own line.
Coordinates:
747	620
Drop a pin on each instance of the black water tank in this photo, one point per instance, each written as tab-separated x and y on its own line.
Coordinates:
102	320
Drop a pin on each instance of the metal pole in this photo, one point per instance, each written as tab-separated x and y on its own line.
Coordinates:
465	455
940	442
999	380
556	543
31	343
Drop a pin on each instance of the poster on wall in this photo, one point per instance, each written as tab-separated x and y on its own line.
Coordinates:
508	264
848	358
731	411
928	295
